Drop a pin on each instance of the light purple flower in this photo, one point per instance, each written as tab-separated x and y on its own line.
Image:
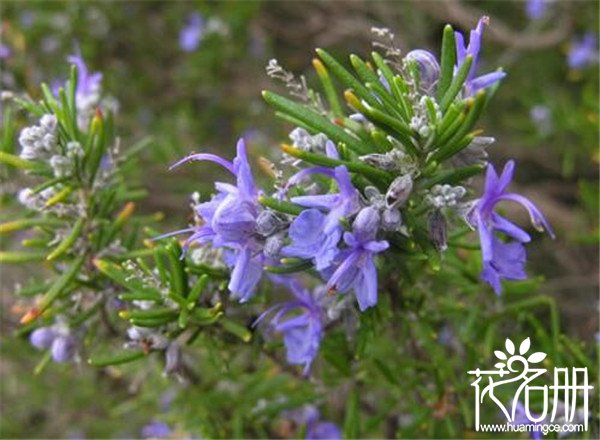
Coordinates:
64	348
472	83
541	116
320	430
323	431
88	84
342	204
5	52
192	33
429	68
535	9
230	221
156	429
315	428
583	52
62	345
356	270
42	337
502	260
301	321
309	239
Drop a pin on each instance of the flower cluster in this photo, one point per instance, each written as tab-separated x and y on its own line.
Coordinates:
58	338
323	218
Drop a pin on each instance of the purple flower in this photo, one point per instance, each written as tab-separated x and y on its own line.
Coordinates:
230	221
301	322
356	269
472	83
323	431
521	418
315	428
192	33
343	204
5	52
535	9
62	345
156	429
64	348
88	84
309	239
583	52
429	68
42	337
320	430
502	260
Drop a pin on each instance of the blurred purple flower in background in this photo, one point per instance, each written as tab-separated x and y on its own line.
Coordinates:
301	321
472	83
522	419
309	416
5	51
156	429
541	116
320	430
88	84
502	260
583	51
192	33
535	9
62	345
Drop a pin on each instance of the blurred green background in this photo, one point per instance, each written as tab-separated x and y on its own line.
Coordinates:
207	98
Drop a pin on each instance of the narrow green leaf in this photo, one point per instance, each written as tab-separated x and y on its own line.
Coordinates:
60	284
352	421
457	83
119	276
179	282
280	205
156	313
328	88
236	329
452	177
17	162
318	123
346	77
26	223
448	61
371	173
17	257
140	296
65	245
43	363
292	268
116	359
197	291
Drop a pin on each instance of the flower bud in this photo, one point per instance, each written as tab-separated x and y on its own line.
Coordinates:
63	348
429	68
366	224
438	230
42	337
391	219
382	161
273	246
268	222
399	191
